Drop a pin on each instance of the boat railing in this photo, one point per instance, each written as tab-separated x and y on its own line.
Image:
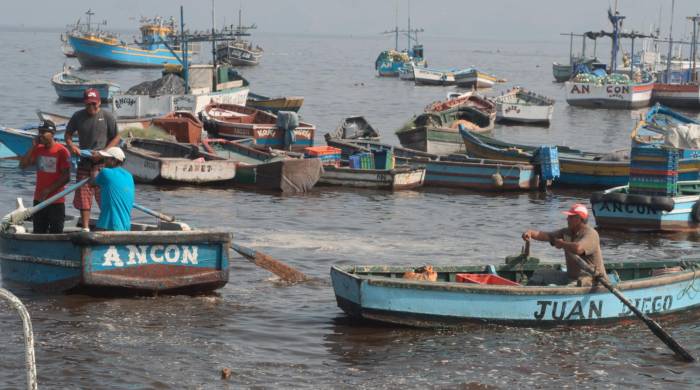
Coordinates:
30	361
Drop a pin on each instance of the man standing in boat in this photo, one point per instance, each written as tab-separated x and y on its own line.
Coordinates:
52	162
116	186
577	239
97	130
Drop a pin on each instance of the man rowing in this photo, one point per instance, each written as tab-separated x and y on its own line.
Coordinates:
576	239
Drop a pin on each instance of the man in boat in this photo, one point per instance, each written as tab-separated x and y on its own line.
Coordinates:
577	239
97	130
52	162
116	186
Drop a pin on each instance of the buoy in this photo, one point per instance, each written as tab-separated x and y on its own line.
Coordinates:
497	179
226	373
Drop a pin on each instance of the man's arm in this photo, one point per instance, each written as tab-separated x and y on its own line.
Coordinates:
112	133
29	158
70	129
536	235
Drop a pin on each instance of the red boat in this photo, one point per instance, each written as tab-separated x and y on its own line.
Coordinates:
186	127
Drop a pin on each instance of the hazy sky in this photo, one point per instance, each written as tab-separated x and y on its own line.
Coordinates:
494	19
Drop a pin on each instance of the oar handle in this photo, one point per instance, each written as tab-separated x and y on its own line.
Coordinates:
156	214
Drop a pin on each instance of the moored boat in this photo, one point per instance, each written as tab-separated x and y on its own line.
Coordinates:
677	95
519	105
608	94
239	53
426	76
276	104
71	87
473	78
19	141
149	259
183	125
398	178
500	294
153	161
348	147
266	170
354	128
617	208
240	122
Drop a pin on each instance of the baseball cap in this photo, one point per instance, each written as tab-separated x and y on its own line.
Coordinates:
91	95
577	209
47	125
113	152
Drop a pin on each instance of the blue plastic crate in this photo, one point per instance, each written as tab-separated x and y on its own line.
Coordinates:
355	161
550	170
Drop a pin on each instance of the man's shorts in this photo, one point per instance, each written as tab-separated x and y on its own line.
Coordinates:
84	194
49	220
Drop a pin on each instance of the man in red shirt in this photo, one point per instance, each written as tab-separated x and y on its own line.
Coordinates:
52	162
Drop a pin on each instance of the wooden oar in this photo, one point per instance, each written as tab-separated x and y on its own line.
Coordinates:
21	214
260	259
653	325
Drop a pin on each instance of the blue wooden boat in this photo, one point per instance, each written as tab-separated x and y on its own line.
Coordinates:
381	293
95	49
660	126
17	142
72	87
616	208
147	260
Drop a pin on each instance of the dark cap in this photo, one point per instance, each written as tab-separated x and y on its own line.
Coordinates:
47	125
91	95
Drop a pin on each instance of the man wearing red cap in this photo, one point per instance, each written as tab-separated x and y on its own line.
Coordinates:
97	130
576	239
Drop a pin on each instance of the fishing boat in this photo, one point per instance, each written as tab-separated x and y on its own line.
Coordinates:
484	110
608	93
154	161
500	293
18	141
677	95
354	128
519	105
149	259
348	147
460	171
153	101
438	133
276	104
268	130
473	78
266	170
395	179
239	52
426	76
100	50
406	71
183	125
71	87
617	208
390	62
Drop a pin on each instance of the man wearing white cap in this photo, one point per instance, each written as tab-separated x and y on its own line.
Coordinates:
117	191
576	239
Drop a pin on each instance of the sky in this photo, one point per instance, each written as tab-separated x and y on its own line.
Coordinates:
516	20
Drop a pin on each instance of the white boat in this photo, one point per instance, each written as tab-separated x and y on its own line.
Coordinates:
399	178
406	72
473	78
201	94
608	95
425	76
519	105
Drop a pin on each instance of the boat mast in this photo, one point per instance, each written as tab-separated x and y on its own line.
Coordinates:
616	20
694	47
670	44
213	48
183	49
396	29
408	48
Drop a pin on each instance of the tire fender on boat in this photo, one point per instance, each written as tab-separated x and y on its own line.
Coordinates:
597	197
663	203
617	197
695	212
643	200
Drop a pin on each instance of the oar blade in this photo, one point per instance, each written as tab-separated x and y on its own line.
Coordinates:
668	340
283	271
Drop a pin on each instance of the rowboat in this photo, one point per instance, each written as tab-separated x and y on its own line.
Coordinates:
561	72
19	141
482	105
274	105
460	171
122	124
616	208
149	259
354	128
677	95
348	147
519	105
266	170
501	294
473	78
437	132
152	161
239	53
406	71
399	178
268	130
71	87
183	125
426	76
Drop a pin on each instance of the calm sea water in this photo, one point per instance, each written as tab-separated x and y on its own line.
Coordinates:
274	335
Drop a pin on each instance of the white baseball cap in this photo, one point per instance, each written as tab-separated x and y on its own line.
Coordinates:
113	152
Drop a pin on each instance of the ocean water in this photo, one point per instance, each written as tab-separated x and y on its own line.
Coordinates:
275	335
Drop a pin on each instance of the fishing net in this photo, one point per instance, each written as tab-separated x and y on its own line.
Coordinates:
170	84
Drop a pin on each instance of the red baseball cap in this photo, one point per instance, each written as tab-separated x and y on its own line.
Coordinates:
91	96
577	209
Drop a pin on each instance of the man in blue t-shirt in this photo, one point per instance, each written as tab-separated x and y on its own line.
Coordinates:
117	189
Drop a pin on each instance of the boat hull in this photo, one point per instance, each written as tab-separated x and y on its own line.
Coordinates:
117	262
97	53
423	76
399	301
434	140
677	95
561	72
608	95
474	79
479	176
75	91
401	178
275	105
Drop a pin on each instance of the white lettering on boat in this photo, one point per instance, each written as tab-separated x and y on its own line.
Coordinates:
153	254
